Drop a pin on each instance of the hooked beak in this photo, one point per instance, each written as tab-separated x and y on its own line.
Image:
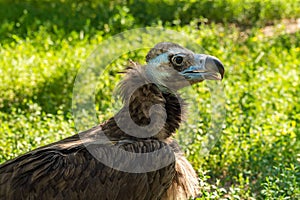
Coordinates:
206	68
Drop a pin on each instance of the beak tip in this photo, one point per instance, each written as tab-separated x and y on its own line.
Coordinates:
218	64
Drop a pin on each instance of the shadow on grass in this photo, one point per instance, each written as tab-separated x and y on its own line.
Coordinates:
22	18
61	17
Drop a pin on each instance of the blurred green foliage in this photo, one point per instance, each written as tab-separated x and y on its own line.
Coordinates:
44	43
61	17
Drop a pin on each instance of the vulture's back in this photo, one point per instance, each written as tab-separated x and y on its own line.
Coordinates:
67	170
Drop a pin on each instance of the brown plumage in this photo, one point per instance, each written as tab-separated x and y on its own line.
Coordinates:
68	169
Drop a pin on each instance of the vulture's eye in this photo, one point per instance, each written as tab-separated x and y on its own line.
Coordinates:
177	60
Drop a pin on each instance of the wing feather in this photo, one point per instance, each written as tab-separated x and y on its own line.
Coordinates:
67	170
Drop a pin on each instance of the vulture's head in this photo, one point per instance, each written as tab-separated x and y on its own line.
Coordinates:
171	66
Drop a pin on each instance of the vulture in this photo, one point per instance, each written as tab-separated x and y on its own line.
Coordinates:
132	155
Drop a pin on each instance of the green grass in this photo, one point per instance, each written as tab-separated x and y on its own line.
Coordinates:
43	44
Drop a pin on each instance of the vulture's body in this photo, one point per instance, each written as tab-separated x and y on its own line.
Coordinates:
68	169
